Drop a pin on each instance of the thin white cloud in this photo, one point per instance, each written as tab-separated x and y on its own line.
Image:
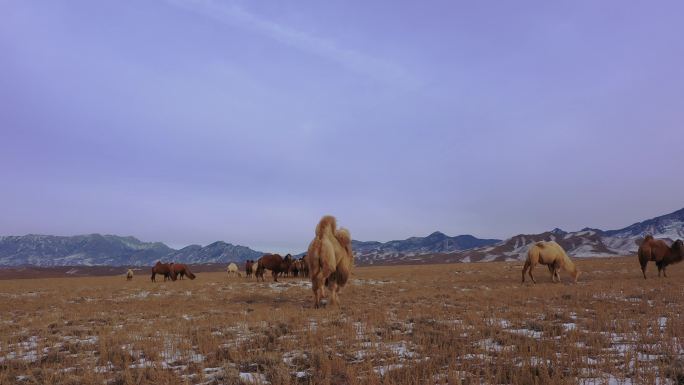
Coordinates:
358	62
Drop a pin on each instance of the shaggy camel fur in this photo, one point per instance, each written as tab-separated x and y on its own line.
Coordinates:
552	255
330	259
129	275
658	251
233	270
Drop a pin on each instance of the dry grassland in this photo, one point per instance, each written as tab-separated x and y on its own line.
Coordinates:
438	324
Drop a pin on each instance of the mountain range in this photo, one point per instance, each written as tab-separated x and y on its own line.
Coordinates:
588	242
113	250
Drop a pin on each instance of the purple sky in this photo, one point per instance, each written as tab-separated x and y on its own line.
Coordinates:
190	121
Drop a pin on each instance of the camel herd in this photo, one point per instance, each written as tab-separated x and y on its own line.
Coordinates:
329	261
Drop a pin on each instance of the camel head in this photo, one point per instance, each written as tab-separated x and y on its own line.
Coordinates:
678	248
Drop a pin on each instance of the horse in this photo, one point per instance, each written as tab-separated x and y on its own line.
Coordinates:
129	275
552	255
182	270
330	259
275	263
164	268
248	267
658	251
233	269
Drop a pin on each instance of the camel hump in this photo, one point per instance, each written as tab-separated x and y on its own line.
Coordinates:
540	244
343	236
648	237
327	222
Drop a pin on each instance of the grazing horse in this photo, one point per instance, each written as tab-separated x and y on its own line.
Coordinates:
182	270
552	255
248	267
164	268
658	251
233	269
275	263
329	259
129	275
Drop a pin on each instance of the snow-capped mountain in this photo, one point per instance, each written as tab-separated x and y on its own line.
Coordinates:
92	249
408	249
588	242
217	252
110	250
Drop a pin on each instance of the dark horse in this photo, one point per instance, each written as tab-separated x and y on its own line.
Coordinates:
182	270
163	268
275	263
658	251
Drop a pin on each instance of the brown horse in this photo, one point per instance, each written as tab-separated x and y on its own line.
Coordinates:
182	270
275	263
164	268
330	259
658	251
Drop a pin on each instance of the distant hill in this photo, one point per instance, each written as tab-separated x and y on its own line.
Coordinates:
109	250
113	250
406	250
588	242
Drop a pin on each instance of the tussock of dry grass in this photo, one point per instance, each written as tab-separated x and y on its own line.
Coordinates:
440	324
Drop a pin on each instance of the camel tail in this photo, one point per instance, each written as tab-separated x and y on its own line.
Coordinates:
327	223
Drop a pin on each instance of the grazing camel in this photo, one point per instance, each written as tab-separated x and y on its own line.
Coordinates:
129	275
233	269
183	270
163	268
658	251
553	256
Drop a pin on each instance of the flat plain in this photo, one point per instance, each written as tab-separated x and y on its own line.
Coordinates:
431	324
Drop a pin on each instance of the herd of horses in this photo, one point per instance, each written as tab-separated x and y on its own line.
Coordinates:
329	260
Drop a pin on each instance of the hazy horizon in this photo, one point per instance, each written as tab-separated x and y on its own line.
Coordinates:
193	121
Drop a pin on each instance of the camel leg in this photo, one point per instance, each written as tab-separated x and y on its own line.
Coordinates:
530	273
643	268
152	277
333	293
552	271
317	287
557	273
275	276
524	270
664	271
